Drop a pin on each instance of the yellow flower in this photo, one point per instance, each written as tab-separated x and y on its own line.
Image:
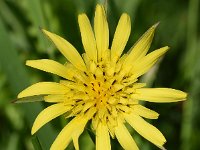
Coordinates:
102	86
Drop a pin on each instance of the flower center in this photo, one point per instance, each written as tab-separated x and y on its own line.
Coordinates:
100	91
102	88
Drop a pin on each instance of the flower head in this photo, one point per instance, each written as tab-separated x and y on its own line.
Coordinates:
102	85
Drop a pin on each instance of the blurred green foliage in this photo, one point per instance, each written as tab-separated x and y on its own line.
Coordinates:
21	39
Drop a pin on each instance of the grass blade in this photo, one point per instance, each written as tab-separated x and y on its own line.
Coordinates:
18	80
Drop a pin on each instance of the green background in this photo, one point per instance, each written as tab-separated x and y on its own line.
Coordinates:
21	39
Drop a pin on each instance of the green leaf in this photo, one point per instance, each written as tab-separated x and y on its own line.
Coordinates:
35	12
29	99
18	80
36	143
18	34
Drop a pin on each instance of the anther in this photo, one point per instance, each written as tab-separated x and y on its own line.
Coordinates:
119	90
85	73
114	82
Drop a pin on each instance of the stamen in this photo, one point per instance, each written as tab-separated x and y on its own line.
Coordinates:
114	82
94	76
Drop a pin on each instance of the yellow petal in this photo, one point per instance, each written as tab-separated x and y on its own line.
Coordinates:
48	114
68	132
75	141
67	50
147	62
44	88
160	95
124	137
101	31
50	66
121	36
87	36
132	88
146	130
79	130
59	98
141	47
55	98
145	112
102	137
72	85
